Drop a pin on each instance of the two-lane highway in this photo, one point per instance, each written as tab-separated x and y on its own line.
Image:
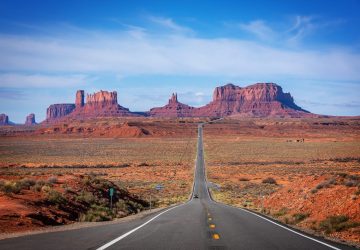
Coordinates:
200	223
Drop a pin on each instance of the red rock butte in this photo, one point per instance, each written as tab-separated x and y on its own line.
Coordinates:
100	104
257	100
30	119
4	119
173	109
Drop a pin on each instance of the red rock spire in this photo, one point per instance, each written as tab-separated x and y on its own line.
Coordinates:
79	101
173	98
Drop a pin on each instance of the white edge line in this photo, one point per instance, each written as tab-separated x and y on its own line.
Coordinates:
133	230
110	243
264	218
291	230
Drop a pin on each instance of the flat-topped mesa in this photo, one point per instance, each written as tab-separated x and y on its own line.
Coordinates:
4	119
227	92
99	104
30	119
173	109
260	100
56	111
102	99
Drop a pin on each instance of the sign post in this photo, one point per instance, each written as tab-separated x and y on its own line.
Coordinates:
158	187
111	192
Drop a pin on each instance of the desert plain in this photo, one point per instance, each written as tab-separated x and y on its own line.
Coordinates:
304	172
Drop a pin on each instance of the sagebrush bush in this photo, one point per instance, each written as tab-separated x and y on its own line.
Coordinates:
269	180
326	184
337	223
298	217
55	197
86	197
9	187
97	213
53	180
15	187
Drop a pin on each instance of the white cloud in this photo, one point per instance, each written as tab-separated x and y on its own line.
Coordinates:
260	29
122	53
170	24
11	80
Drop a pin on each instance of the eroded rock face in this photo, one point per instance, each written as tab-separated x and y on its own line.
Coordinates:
259	100
102	99
102	103
56	111
30	119
79	101
4	119
173	109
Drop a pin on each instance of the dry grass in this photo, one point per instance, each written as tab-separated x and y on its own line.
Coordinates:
90	151
239	164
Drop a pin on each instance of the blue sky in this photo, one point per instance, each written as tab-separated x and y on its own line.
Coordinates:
146	50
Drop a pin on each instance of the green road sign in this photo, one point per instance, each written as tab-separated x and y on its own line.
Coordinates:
111	191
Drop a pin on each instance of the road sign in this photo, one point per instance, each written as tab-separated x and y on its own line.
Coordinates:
111	191
159	187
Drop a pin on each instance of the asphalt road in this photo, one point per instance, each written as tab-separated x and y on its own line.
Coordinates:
200	223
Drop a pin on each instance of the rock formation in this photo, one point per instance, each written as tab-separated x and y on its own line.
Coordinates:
102	99
4	119
102	103
30	119
79	101
258	100
173	109
56	111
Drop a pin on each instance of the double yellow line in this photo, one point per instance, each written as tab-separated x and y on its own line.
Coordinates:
212	226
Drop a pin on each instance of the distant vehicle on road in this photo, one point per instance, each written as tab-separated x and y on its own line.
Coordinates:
196	196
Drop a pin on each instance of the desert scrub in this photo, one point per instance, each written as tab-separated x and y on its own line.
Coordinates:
283	211
53	180
298	217
56	197
337	223
86	197
97	213
326	184
15	187
38	185
269	180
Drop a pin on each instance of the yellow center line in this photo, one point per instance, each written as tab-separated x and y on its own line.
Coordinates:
212	226
216	236
209	218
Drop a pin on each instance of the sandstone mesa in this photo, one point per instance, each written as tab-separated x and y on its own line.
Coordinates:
257	100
